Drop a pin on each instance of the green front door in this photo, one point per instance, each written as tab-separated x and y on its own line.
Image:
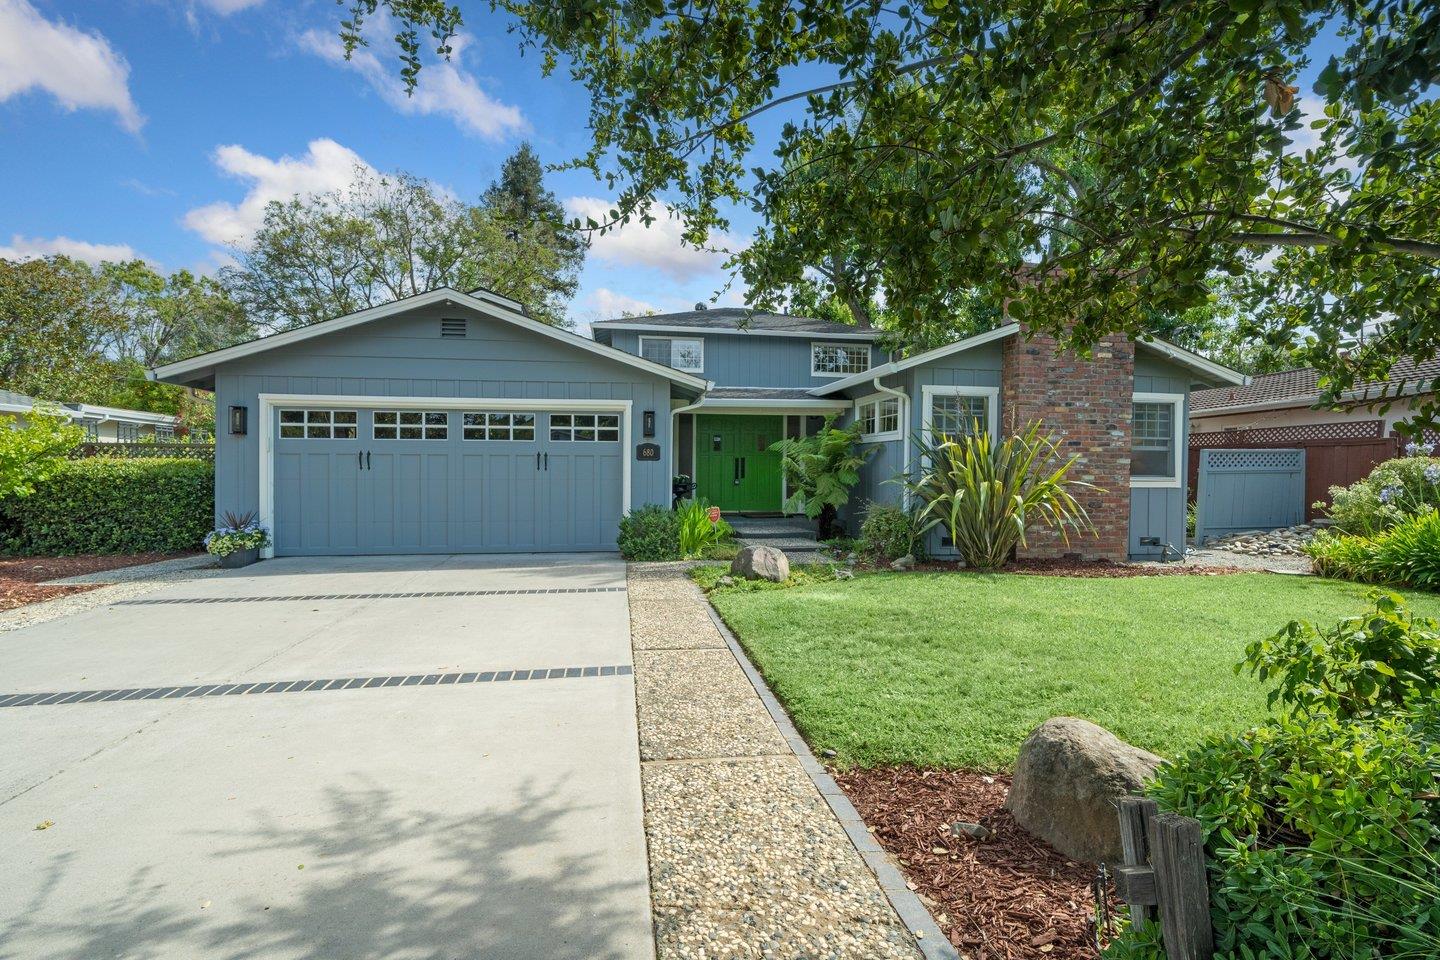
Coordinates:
734	468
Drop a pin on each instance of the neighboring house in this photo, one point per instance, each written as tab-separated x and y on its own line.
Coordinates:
453	422
1283	403
102	424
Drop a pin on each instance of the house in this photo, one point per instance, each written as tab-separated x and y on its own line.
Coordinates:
453	422
102	424
1283	404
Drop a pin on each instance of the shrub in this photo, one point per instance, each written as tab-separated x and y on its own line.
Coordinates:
1394	490
697	534
821	469
1376	663
111	505
650	533
986	496
32	453
1406	553
889	532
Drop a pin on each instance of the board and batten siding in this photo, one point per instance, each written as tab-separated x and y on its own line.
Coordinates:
1160	511
405	356
744	360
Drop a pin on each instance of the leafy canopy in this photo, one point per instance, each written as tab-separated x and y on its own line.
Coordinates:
33	452
1089	164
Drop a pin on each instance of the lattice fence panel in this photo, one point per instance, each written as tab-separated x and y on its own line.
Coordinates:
1296	433
1256	460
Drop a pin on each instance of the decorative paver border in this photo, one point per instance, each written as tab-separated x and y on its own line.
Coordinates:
416	595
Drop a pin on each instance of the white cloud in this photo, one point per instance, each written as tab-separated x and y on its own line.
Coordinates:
657	246
27	248
610	305
227	7
325	166
444	87
79	69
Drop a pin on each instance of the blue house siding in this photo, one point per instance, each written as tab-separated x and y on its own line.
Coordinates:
404	356
742	359
1160	511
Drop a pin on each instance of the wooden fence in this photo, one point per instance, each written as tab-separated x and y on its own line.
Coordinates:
1164	874
197	451
1336	454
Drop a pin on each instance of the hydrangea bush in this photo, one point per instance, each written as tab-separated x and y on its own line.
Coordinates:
1395	490
237	533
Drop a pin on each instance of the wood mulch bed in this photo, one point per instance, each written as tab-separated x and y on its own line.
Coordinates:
1009	897
1087	568
22	578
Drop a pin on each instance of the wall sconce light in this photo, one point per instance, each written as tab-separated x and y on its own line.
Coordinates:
647	423
238	416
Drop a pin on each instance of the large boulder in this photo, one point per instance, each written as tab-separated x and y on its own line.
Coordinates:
761	563
1068	779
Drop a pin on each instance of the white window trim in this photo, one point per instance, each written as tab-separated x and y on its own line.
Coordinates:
843	345
1177	400
673	341
884	435
929	391
269	402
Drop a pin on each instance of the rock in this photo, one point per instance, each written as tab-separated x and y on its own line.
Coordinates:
828	752
1068	777
844	575
906	562
761	563
725	581
974	831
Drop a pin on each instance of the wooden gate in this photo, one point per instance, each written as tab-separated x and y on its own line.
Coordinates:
1248	490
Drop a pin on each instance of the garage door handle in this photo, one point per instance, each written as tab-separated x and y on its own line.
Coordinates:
367	459
537	461
359	460
547	460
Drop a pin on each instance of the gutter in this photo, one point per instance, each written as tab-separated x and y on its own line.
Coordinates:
904	399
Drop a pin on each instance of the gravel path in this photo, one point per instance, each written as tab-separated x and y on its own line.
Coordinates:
746	858
123	583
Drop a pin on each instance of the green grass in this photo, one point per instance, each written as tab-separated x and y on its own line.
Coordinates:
954	670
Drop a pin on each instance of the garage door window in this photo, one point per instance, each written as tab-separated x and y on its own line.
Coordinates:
318	424
487	425
584	426
411	425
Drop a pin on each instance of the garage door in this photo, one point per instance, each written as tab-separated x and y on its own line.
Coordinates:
352	480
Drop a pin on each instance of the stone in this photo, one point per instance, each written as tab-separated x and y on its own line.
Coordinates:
974	831
761	563
1068	779
906	562
725	581
844	575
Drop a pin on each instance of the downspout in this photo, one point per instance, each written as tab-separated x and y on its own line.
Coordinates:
904	399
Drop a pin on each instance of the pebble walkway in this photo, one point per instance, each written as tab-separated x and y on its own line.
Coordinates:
746	859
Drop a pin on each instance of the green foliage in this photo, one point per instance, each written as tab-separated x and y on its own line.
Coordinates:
889	532
1394	490
114	505
1406	553
237	532
33	453
821	470
801	574
986	496
1376	663
650	533
697	534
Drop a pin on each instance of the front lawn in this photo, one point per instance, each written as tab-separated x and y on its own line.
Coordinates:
954	670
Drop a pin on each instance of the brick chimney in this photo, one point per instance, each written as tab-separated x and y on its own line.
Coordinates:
1085	403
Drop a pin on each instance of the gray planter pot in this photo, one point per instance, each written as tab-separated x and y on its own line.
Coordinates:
240	558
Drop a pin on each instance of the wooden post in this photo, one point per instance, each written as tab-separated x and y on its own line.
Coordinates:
1177	852
1135	880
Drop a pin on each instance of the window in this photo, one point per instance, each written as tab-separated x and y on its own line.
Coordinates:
1155	440
317	424
92	430
879	417
411	425
164	433
499	426
838	359
585	426
127	432
687	356
959	411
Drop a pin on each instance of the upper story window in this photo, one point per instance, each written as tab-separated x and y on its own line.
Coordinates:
686	354
838	359
1155	439
879	417
956	412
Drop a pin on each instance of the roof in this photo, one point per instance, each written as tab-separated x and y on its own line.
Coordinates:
1301	388
198	368
761	393
739	320
769	399
12	402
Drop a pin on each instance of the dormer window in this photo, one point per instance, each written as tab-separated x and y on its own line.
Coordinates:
684	354
838	359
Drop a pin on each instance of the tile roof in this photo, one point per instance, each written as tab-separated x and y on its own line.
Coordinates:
1302	386
737	318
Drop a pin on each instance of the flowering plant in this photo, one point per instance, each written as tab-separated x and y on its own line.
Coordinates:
1413	449
1394	491
236	533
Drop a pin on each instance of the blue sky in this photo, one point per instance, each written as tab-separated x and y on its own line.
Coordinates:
158	128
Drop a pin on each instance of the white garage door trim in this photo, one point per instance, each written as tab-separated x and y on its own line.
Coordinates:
269	401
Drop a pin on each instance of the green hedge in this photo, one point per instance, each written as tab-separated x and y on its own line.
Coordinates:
110	505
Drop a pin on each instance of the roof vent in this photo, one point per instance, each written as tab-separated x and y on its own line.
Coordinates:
700	305
453	327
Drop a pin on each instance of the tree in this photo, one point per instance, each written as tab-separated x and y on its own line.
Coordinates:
58	315
390	236
1090	165
169	318
31	454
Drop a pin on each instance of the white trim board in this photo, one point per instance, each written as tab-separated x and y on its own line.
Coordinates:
442	296
1177	434
270	402
734	331
887	435
897	366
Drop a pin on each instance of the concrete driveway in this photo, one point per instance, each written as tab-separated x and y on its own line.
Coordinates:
428	791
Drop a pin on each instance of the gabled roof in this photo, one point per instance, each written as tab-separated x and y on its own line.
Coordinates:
12	402
738	320
1301	388
196	368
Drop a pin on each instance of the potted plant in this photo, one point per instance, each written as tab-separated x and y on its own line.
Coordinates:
238	539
